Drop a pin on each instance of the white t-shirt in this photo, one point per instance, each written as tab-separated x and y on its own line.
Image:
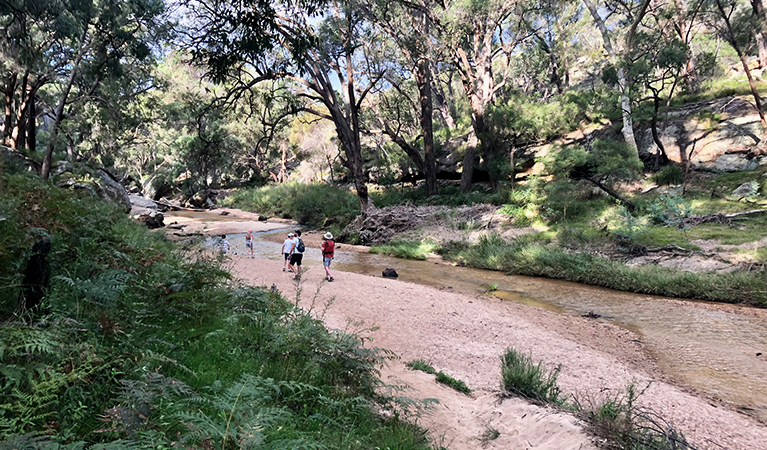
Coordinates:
295	250
286	246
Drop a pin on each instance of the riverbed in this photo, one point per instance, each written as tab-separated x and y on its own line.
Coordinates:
716	351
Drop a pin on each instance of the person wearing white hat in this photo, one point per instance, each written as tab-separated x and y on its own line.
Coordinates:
328	250
286	247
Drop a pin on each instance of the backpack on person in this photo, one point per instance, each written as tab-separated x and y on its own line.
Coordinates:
300	246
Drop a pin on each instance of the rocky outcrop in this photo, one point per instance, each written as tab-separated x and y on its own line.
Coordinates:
205	198
110	189
141	205
152	221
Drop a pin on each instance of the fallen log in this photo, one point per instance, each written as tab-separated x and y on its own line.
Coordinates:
699	219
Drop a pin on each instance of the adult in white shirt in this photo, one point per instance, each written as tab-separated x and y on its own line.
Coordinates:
296	256
287	247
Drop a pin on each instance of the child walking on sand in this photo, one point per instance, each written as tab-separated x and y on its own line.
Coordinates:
249	243
328	250
224	245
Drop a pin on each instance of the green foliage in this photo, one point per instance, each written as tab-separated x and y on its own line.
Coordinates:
458	385
145	346
606	159
524	119
448	196
668	175
526	257
421	365
627	228
670	210
319	205
523	377
440	377
625	425
419	250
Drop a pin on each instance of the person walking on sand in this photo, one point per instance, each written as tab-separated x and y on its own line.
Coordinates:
296	255
249	243
224	245
328	250
287	246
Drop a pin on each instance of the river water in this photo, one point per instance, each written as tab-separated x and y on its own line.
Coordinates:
717	349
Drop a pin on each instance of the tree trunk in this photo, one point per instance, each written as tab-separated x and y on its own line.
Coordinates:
468	163
45	171
623	81
32	123
761	32
660	156
629	204
761	45
10	88
739	51
423	80
19	134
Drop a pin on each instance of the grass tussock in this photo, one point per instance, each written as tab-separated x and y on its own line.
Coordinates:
618	422
418	250
621	424
522	376
523	257
440	377
139	344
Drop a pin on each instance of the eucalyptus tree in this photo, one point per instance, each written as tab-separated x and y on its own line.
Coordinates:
408	25
657	64
554	25
319	48
735	25
616	53
75	47
480	38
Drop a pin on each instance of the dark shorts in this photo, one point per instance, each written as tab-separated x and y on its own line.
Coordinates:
248	244
287	256
295	259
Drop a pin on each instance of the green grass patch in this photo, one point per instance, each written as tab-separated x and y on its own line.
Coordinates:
419	250
449	381
139	344
421	365
519	257
447	196
523	377
441	377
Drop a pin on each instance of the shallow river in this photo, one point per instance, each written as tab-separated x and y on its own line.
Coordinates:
720	351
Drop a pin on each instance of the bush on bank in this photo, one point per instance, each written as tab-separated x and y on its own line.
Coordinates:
140	344
524	257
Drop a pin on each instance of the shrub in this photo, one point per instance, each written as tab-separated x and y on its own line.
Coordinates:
668	175
317	205
418	250
624	425
523	377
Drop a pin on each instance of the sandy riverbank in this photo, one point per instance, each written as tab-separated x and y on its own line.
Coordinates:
465	335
